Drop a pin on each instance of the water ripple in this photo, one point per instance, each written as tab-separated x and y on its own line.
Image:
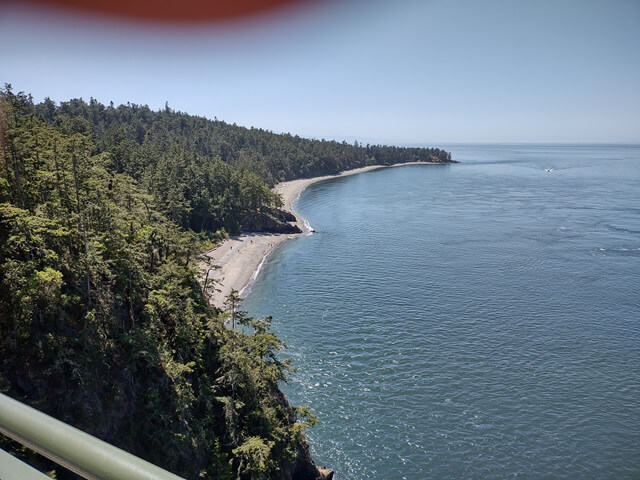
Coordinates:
480	321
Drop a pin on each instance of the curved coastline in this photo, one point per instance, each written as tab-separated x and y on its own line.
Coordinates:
237	261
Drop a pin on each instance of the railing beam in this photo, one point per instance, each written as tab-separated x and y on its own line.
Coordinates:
12	468
74	449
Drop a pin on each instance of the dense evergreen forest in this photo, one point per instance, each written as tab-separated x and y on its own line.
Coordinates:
206	174
103	324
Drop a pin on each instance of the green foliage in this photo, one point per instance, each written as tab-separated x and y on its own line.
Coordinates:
46	284
254	458
102	321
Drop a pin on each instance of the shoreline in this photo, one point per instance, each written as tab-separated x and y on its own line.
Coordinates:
240	258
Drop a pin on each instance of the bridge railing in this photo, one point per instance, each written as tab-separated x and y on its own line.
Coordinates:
74	449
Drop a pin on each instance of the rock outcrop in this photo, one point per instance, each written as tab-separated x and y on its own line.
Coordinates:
270	221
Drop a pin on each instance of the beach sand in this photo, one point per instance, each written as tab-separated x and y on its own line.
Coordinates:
236	262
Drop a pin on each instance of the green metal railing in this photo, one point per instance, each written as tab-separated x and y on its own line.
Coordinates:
67	446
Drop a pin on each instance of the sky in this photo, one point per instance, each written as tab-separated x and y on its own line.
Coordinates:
402	72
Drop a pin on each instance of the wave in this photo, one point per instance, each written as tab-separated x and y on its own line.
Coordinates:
613	228
618	252
247	288
307	226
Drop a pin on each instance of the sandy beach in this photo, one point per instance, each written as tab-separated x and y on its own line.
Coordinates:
236	262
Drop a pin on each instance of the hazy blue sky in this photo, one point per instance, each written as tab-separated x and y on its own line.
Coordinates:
401	72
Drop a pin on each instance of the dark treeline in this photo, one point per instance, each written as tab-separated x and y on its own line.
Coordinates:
136	136
103	323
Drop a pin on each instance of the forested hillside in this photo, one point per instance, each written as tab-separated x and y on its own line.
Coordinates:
102	321
137	137
206	174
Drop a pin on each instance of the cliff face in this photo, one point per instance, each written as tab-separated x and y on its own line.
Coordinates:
304	468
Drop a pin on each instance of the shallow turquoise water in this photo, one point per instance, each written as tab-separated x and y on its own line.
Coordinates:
478	320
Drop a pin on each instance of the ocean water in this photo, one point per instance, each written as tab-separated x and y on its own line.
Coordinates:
471	321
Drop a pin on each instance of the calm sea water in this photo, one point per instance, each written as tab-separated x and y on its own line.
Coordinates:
477	321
